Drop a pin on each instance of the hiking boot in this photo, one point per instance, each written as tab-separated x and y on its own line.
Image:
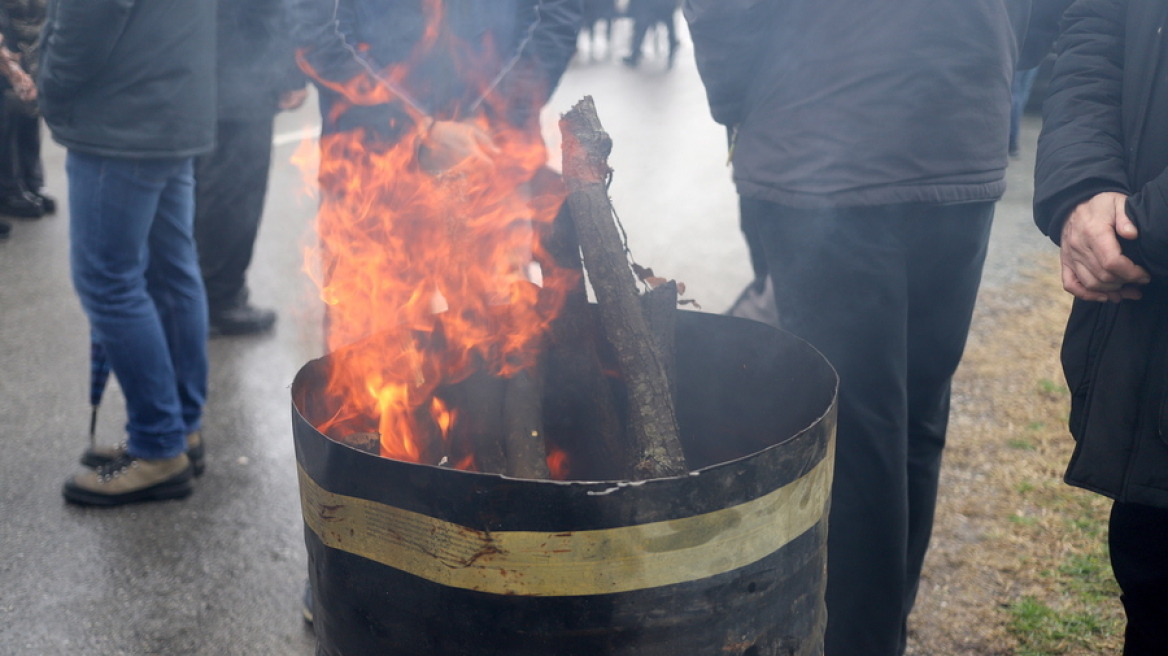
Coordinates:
127	479
98	456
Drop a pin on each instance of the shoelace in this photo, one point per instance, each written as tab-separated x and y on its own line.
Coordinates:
116	467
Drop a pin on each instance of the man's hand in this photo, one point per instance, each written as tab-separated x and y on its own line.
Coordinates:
1094	267
290	100
450	143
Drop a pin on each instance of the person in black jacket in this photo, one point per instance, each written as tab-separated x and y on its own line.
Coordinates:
257	77
1101	193
128	87
868	148
21	173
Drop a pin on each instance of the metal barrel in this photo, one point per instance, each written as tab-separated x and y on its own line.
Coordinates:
408	559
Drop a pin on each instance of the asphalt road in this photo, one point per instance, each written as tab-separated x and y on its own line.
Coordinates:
221	573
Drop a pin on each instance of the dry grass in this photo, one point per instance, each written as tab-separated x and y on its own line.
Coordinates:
1018	564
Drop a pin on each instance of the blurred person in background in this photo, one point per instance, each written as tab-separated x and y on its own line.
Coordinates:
128	88
869	147
21	174
1101	193
257	78
647	14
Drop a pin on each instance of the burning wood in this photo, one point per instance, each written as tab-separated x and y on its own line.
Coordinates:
447	354
653	424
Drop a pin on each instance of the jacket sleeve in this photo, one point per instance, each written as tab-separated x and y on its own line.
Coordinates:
726	36
318	28
79	39
1081	150
553	40
1148	208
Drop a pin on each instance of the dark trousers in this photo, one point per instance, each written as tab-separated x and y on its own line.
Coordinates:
230	185
1138	538
20	151
886	294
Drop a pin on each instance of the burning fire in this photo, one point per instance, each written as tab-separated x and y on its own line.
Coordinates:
428	278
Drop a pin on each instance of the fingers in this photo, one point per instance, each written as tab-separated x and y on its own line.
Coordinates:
1124	226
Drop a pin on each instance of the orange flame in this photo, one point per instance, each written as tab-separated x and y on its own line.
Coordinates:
428	277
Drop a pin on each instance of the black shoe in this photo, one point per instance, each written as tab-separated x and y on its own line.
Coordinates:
5	230
23	205
100	456
47	202
242	319
630	61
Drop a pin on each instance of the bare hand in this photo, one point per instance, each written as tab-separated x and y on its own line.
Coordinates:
290	100
1094	267
450	143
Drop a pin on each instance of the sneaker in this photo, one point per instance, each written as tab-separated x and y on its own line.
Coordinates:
242	319
23	205
99	456
5	230
127	479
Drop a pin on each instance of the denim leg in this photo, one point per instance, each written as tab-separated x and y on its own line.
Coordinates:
176	285
116	206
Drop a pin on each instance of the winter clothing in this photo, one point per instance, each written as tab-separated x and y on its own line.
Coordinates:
352	40
1104	131
256	66
130	78
869	144
21	173
127	86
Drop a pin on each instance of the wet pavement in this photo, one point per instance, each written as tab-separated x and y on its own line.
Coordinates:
221	572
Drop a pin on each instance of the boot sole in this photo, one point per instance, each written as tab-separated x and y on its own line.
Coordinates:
178	488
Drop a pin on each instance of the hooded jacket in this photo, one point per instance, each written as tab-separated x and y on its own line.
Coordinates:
130	78
1105	129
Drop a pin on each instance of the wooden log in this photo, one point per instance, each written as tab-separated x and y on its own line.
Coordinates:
660	305
579	401
477	430
523	426
653	426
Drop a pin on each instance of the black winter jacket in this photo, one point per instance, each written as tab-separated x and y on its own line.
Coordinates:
854	102
518	48
256	60
1106	129
130	78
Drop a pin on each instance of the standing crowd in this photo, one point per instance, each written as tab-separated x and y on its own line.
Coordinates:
869	143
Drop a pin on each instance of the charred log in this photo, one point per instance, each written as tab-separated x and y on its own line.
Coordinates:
652	420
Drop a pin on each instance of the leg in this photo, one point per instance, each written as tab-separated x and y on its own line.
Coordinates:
15	199
946	248
840	281
175	284
231	183
1138	539
113	206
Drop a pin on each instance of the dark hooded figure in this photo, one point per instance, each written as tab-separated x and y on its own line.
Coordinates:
1101	193
869	147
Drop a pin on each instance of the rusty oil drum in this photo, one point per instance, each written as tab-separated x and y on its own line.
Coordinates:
414	560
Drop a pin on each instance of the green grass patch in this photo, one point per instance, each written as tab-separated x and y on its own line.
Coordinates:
1042	630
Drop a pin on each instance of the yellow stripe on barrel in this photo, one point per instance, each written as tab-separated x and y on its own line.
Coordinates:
570	563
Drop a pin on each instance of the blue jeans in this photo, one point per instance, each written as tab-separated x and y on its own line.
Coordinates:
1019	95
135	269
